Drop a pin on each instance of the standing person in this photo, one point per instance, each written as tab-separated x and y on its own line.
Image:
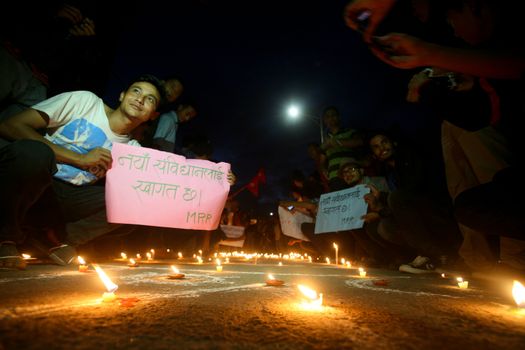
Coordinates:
342	145
74	154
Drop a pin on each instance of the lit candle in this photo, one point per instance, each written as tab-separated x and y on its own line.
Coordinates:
123	256
108	297
362	272
199	260
82	267
175	275
443	275
179	255
149	256
328	261
139	257
309	258
133	263
313	301
219	266
343	261
336	247
518	292
462	284
271	281
227	260
349	264
111	287
280	263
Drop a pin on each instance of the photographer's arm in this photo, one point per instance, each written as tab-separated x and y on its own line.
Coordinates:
407	52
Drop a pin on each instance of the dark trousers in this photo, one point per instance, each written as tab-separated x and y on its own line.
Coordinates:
425	223
26	169
497	207
31	196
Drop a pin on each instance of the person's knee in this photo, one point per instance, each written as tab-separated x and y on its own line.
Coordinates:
33	156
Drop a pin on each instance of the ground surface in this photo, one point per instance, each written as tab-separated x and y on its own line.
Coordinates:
52	307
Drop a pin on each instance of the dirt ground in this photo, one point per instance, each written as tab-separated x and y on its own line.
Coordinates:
53	307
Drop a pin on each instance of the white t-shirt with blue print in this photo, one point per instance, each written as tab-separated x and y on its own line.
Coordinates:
78	121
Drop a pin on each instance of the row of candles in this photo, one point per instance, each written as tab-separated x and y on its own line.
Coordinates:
518	291
313	300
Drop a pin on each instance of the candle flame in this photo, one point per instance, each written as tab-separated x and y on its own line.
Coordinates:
26	256
174	269
218	261
148	255
110	286
132	261
123	255
518	292
179	254
313	300
309	293
270	276
328	260
81	261
459	279
335	246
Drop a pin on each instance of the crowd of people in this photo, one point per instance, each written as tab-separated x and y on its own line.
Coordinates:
473	81
468	66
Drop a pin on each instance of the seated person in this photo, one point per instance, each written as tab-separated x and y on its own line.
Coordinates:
74	154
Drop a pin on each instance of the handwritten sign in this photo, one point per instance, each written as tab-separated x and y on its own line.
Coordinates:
149	187
291	223
234	234
341	210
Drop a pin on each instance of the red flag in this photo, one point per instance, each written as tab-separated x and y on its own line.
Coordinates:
253	185
261	176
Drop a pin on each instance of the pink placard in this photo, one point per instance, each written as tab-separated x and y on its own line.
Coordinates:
149	187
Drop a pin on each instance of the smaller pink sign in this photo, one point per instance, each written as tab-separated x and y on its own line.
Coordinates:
149	187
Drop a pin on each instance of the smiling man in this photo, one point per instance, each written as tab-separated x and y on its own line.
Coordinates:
63	165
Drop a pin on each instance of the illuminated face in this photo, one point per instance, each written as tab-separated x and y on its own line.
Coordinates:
382	147
139	103
351	175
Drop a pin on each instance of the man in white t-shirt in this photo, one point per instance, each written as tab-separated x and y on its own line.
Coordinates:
74	154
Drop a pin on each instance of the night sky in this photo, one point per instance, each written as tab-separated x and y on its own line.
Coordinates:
243	64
